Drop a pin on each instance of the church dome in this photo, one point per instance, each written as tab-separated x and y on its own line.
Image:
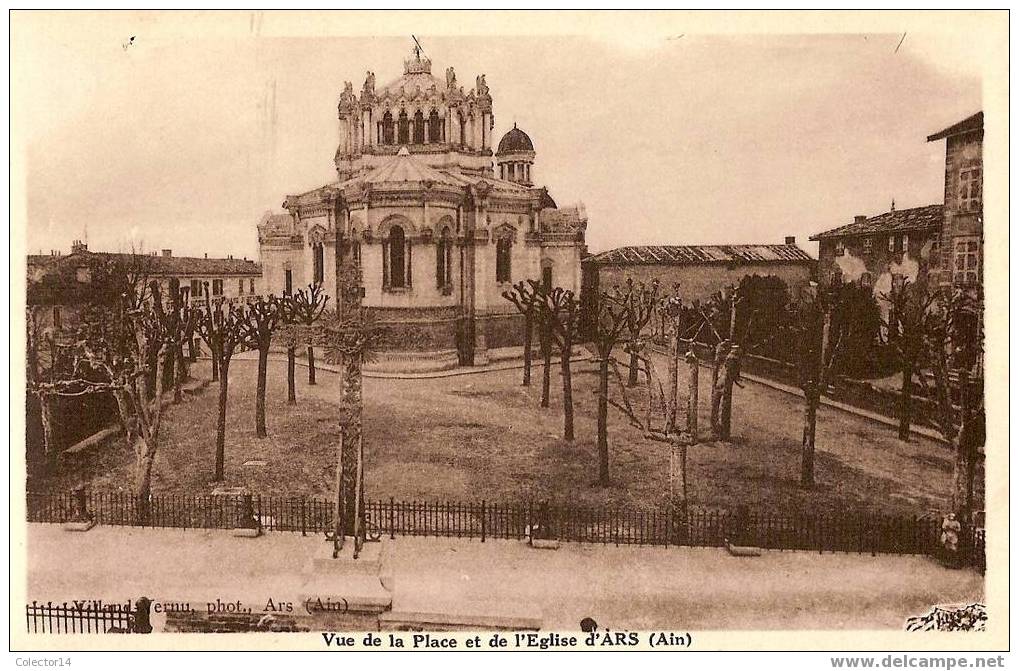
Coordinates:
515	140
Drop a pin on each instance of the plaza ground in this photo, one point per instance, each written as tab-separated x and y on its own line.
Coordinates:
484	436
620	587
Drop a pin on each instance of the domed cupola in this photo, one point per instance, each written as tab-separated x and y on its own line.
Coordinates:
515	157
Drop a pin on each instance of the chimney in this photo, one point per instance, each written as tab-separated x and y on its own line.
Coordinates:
206	254
230	257
167	253
79	247
859	219
790	239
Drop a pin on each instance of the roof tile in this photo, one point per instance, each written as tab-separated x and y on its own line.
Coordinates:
700	254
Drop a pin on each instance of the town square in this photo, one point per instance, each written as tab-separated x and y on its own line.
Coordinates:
417	333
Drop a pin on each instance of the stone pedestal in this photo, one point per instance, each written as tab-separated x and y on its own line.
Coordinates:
344	593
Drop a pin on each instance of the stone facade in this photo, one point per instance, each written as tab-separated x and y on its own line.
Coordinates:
882	251
437	235
960	261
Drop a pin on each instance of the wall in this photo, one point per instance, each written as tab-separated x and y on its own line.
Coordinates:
913	263
701	281
961	151
857	393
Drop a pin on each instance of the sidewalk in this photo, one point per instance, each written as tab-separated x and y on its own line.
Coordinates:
498	363
620	587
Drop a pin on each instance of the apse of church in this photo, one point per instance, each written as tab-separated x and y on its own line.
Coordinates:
439	228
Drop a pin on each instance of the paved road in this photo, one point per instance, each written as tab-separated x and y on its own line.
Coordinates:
624	587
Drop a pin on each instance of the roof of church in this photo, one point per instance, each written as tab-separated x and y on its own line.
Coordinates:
405	168
681	255
912	219
515	140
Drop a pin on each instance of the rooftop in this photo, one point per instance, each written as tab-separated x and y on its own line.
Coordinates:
159	265
678	255
912	219
515	140
975	122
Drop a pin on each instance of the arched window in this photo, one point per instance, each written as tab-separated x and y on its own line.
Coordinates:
387	128
419	128
434	127
318	262
403	129
503	270
463	129
443	262
396	260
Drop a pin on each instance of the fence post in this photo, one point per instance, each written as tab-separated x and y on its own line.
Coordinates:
142	623
483	520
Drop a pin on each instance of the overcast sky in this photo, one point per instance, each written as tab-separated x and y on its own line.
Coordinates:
183	144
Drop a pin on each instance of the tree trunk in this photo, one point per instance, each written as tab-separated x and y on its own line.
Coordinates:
263	365
603	419
291	373
48	447
811	398
672	408
143	476
905	400
221	422
721	350
528	323
215	364
725	417
678	458
634	365
173	363
184	367
962	496
692	401
311	365
567	392
546	380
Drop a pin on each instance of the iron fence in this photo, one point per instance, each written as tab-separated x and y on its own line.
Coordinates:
90	617
850	532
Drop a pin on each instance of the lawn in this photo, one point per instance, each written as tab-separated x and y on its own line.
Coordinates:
484	436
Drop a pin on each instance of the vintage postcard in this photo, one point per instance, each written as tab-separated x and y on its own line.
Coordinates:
513	331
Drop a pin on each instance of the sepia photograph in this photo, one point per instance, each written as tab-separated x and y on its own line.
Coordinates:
510	331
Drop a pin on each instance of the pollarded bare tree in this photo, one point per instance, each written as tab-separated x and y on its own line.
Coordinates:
526	296
908	324
305	307
559	312
640	309
260	322
820	344
221	327
953	343
612	323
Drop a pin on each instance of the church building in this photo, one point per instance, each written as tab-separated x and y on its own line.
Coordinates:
439	229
